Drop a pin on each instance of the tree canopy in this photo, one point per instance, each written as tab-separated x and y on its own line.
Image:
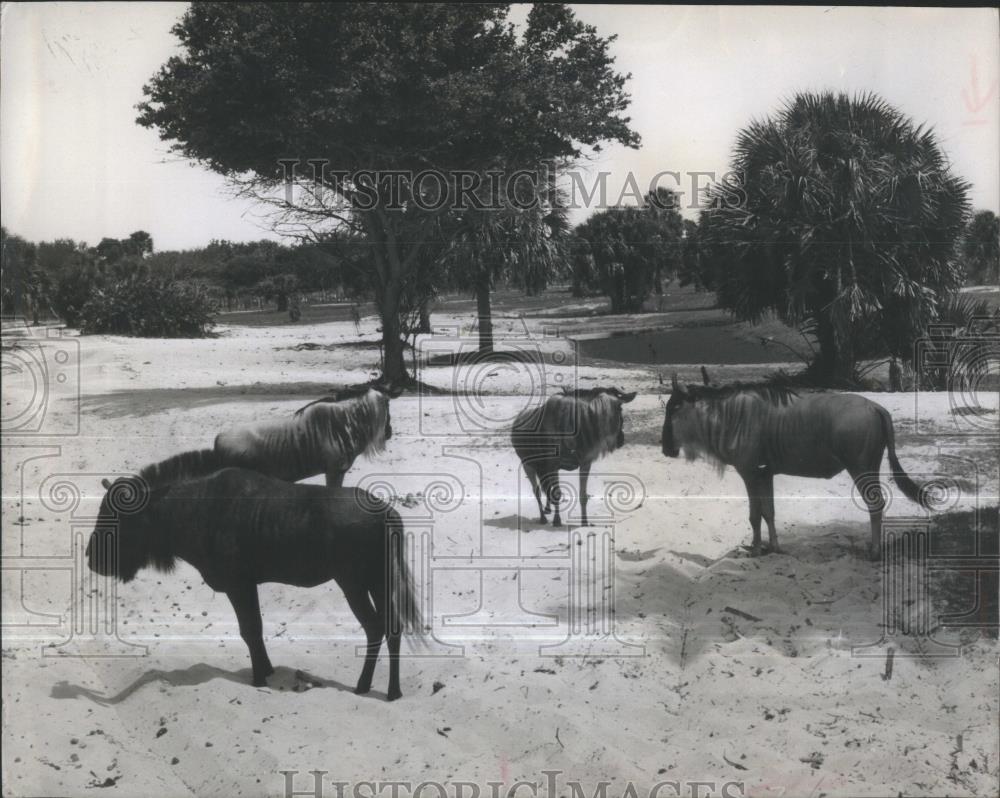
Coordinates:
383	87
631	249
850	221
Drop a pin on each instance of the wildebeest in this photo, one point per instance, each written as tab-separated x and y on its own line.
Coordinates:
323	437
240	528
568	431
763	430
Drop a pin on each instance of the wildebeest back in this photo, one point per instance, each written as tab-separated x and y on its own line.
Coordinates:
239	523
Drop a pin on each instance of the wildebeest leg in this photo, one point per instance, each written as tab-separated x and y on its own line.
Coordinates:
868	485
533	479
752	482
584	476
393	630
361	606
247	605
335	477
767	508
550	483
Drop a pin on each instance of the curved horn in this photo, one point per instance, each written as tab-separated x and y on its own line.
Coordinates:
704	376
676	386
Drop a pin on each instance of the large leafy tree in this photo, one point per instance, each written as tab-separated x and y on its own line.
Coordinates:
981	249
848	225
384	87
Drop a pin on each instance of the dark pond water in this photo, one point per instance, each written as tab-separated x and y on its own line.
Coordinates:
687	345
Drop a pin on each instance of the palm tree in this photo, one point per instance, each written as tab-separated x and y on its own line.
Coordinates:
524	246
632	249
849	219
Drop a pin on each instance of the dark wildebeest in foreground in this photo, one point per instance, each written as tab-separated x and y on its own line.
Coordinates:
763	430
240	528
568	431
324	437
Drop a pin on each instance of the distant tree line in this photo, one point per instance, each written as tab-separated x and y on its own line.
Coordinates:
123	286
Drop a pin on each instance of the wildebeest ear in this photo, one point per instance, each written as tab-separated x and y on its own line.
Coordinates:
704	376
676	386
106	483
627	397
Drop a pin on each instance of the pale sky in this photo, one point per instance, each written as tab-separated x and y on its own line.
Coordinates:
73	163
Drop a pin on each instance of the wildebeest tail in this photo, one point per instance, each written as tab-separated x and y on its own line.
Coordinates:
405	602
910	489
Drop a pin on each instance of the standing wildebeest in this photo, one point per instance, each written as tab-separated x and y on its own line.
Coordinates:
324	437
763	430
568	431
240	528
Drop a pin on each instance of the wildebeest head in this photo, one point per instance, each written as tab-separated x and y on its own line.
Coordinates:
678	410
623	398
119	545
389	392
619	397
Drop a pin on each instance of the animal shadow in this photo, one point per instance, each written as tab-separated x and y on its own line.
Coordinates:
283	680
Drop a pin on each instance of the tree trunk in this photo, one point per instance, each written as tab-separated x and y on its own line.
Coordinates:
484	313
425	318
836	358
393	366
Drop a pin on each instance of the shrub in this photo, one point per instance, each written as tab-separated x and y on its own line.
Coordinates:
73	288
952	348
148	307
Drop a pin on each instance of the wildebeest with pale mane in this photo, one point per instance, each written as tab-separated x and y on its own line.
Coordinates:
568	431
240	528
323	437
762	430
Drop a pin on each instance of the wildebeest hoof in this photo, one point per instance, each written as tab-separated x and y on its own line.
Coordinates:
361	689
259	682
394	694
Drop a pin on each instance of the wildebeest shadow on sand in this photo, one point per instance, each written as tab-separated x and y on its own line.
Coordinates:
820	593
283	679
141	403
120	404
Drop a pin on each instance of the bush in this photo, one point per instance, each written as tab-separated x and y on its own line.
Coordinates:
952	347
148	307
72	291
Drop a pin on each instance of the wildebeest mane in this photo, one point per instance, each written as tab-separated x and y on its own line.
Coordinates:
775	393
341	395
727	418
186	465
358	422
592	423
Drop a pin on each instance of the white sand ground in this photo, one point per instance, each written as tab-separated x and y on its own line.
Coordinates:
682	689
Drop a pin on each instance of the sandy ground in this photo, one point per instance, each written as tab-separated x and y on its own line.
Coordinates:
646	648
